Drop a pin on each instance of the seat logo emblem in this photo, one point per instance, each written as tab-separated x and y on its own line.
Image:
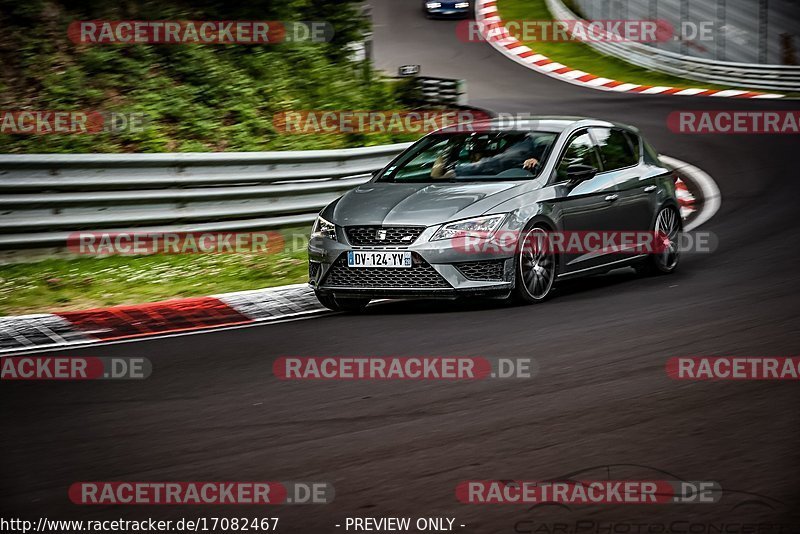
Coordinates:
380	235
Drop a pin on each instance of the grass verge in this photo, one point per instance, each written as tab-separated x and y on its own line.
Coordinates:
70	283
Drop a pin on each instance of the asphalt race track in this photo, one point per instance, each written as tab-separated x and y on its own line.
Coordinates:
212	409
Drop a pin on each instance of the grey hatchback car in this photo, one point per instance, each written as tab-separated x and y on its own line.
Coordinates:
469	211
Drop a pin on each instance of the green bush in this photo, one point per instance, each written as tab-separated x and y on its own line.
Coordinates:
194	97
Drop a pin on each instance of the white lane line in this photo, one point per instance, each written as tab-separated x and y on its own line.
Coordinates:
712	198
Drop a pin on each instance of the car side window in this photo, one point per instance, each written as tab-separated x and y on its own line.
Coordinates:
580	151
635	142
615	149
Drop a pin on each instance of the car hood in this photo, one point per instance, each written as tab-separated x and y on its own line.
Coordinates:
428	204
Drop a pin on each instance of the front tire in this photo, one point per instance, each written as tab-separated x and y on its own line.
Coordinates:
537	267
352	305
669	225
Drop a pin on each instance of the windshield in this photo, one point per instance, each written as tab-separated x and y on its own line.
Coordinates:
458	157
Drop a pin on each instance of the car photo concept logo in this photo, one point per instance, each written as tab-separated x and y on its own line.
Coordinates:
576	504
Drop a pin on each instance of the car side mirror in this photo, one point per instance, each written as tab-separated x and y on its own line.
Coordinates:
580	173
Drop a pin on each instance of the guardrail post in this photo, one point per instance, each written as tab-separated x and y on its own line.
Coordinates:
462	92
684	10
721	29
763	31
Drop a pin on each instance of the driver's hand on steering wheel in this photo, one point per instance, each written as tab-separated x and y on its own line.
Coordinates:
529	164
437	169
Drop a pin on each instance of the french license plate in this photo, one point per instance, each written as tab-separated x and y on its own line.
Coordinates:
369	258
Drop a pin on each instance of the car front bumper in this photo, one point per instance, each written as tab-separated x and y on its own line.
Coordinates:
441	270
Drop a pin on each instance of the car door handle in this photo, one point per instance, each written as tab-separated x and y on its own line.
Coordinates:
611	198
649	188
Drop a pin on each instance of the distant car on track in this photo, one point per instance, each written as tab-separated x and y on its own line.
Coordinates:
402	234
447	8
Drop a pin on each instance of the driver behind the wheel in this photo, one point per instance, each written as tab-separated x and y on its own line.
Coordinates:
517	155
440	166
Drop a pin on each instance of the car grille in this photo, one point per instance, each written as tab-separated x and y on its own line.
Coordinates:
395	235
482	270
421	275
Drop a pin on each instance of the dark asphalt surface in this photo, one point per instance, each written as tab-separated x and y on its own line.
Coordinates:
213	411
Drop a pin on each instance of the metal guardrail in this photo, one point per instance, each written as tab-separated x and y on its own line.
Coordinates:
756	76
741	31
44	198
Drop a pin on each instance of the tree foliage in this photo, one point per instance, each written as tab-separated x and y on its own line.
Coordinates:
195	97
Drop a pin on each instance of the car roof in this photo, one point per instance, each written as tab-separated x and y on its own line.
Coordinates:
541	123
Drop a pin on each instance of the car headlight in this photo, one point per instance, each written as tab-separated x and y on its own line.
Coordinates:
323	228
481	227
462	4
433	5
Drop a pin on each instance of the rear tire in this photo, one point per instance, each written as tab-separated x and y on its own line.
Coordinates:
352	305
536	269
